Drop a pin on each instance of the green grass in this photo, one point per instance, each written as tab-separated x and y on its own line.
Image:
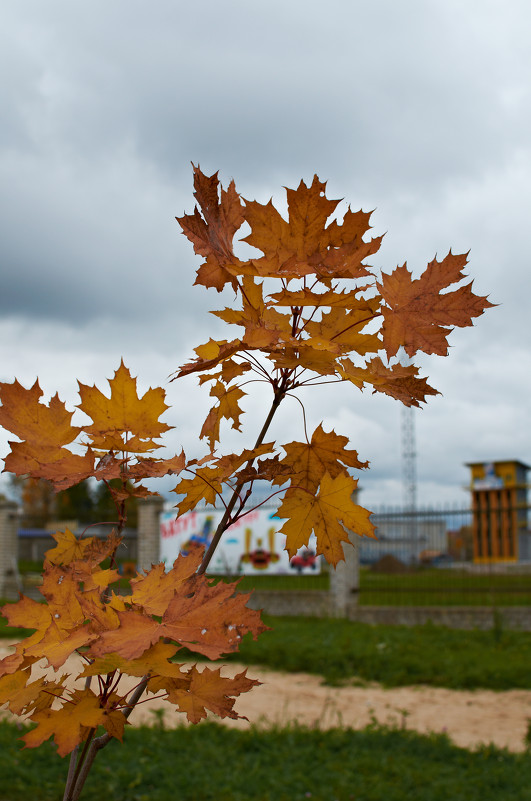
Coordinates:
424	586
211	763
319	581
340	650
443	587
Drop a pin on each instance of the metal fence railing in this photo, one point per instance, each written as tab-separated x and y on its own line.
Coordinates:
430	557
423	559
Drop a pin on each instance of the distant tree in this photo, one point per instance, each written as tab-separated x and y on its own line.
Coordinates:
76	503
37	496
104	506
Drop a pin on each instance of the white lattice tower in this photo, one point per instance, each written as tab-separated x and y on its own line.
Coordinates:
409	451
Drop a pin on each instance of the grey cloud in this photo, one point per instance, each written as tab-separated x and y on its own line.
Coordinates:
419	109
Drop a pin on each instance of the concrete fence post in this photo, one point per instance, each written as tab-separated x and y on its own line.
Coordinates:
345	579
8	550
149	510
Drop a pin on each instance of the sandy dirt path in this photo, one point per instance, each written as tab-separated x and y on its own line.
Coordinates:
468	717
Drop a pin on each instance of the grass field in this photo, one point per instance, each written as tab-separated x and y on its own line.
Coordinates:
396	656
422	587
211	763
444	587
340	651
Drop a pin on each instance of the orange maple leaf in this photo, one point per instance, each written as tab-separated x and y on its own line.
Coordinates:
205	485
33	697
68	549
304	245
209	620
154	590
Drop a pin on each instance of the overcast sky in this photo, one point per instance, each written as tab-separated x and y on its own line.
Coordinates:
420	110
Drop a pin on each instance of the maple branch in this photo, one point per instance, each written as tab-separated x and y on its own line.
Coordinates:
100	742
71	772
62	697
253	381
225	520
308	382
258	505
112	689
77	772
145	701
244	293
301	329
260	366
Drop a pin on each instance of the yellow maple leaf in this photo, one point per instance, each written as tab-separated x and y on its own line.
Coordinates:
70	725
228	408
323	514
124	421
68	548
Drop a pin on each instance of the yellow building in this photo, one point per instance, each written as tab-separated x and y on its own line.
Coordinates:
499	506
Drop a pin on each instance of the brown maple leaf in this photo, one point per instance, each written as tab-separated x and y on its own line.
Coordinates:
418	315
209	620
304	244
207	691
211	229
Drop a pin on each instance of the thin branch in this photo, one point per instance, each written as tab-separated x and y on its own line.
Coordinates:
224	522
100	523
260	366
353	325
254	381
145	701
100	742
315	382
277	492
81	765
71	773
289	395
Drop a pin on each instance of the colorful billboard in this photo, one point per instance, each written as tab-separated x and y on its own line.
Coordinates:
251	546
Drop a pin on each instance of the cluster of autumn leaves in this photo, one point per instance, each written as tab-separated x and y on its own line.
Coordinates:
119	636
311	311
